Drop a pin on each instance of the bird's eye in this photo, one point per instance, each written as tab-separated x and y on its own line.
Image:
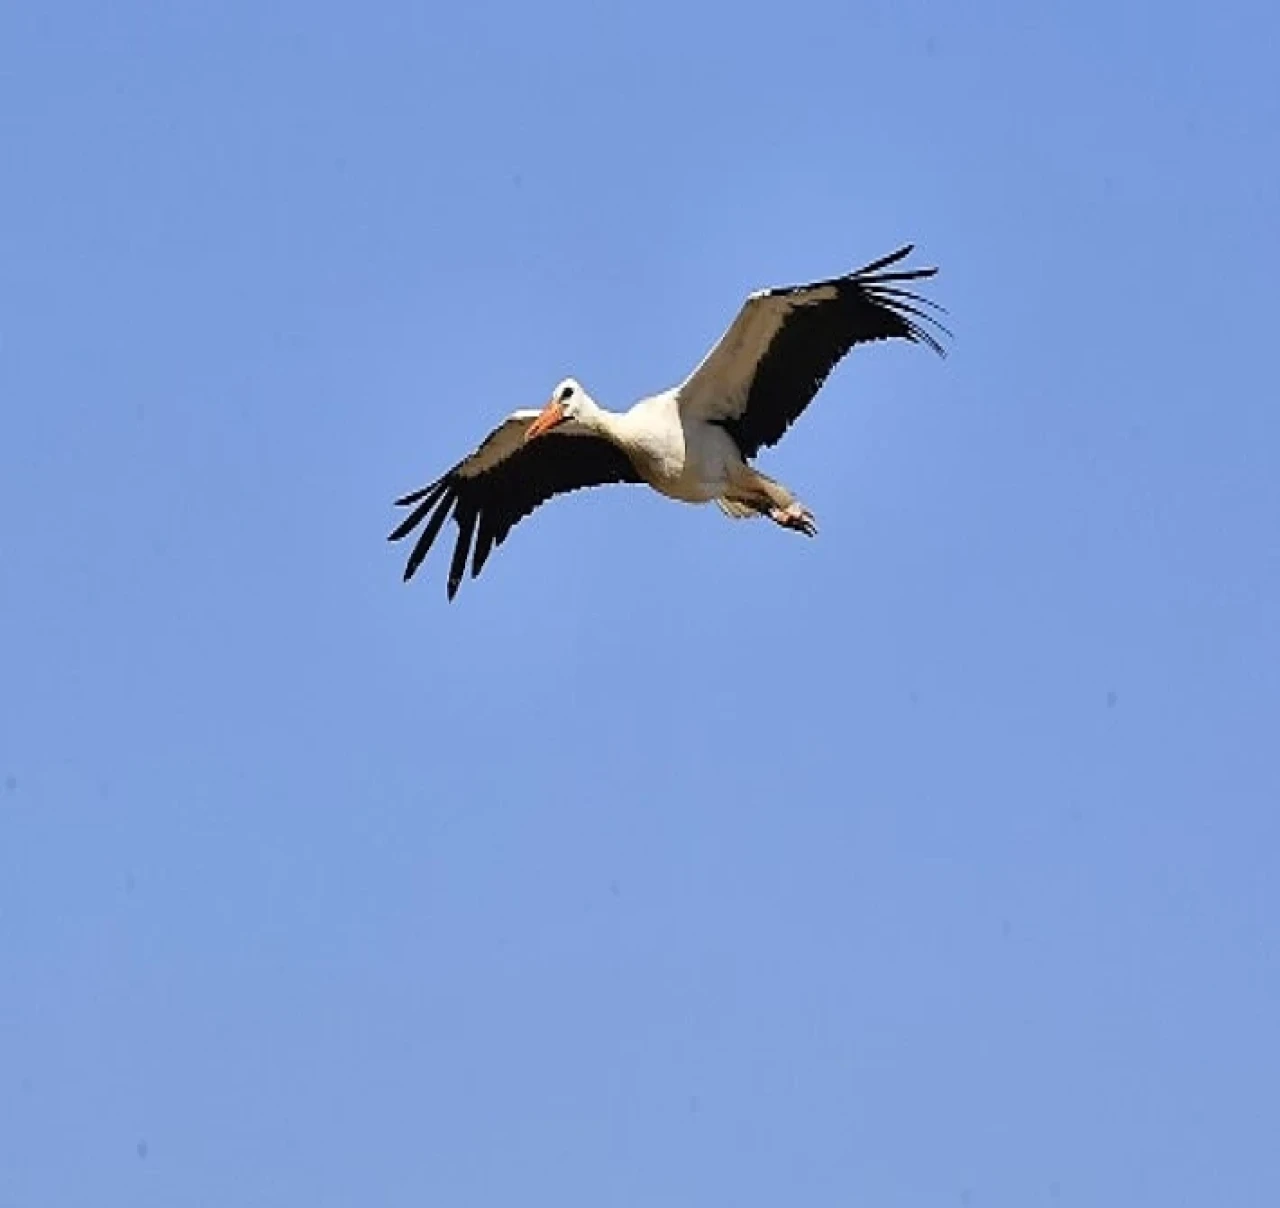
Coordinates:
566	394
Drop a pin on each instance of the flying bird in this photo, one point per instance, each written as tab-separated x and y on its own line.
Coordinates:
693	442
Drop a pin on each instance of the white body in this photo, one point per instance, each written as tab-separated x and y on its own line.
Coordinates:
679	455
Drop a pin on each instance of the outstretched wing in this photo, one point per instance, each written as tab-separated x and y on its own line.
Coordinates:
500	483
784	343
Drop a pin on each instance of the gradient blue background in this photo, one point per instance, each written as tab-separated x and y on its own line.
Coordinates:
679	861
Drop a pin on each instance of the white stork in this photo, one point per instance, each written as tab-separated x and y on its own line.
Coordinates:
692	442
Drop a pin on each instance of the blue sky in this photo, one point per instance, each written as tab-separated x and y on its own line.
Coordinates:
678	861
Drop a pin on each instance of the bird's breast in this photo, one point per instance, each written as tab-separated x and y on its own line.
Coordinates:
689	464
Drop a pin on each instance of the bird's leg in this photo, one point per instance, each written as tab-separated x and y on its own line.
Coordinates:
795	516
772	499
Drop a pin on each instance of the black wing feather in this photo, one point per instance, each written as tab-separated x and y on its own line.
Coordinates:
423	545
464	516
867	306
485	507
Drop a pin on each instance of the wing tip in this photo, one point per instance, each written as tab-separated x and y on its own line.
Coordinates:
419	493
873	272
914	328
434	509
425	498
404	528
912	310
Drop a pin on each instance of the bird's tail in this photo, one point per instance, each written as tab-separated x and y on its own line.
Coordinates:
736	509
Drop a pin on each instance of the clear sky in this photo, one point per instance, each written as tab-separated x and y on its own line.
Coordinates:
679	861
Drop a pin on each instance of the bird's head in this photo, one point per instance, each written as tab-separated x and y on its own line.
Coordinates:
568	401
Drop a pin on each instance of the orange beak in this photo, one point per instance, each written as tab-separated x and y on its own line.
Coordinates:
551	415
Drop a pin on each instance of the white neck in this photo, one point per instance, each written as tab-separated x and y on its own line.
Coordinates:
602	422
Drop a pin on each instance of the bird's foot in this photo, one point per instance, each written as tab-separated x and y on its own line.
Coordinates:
795	516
